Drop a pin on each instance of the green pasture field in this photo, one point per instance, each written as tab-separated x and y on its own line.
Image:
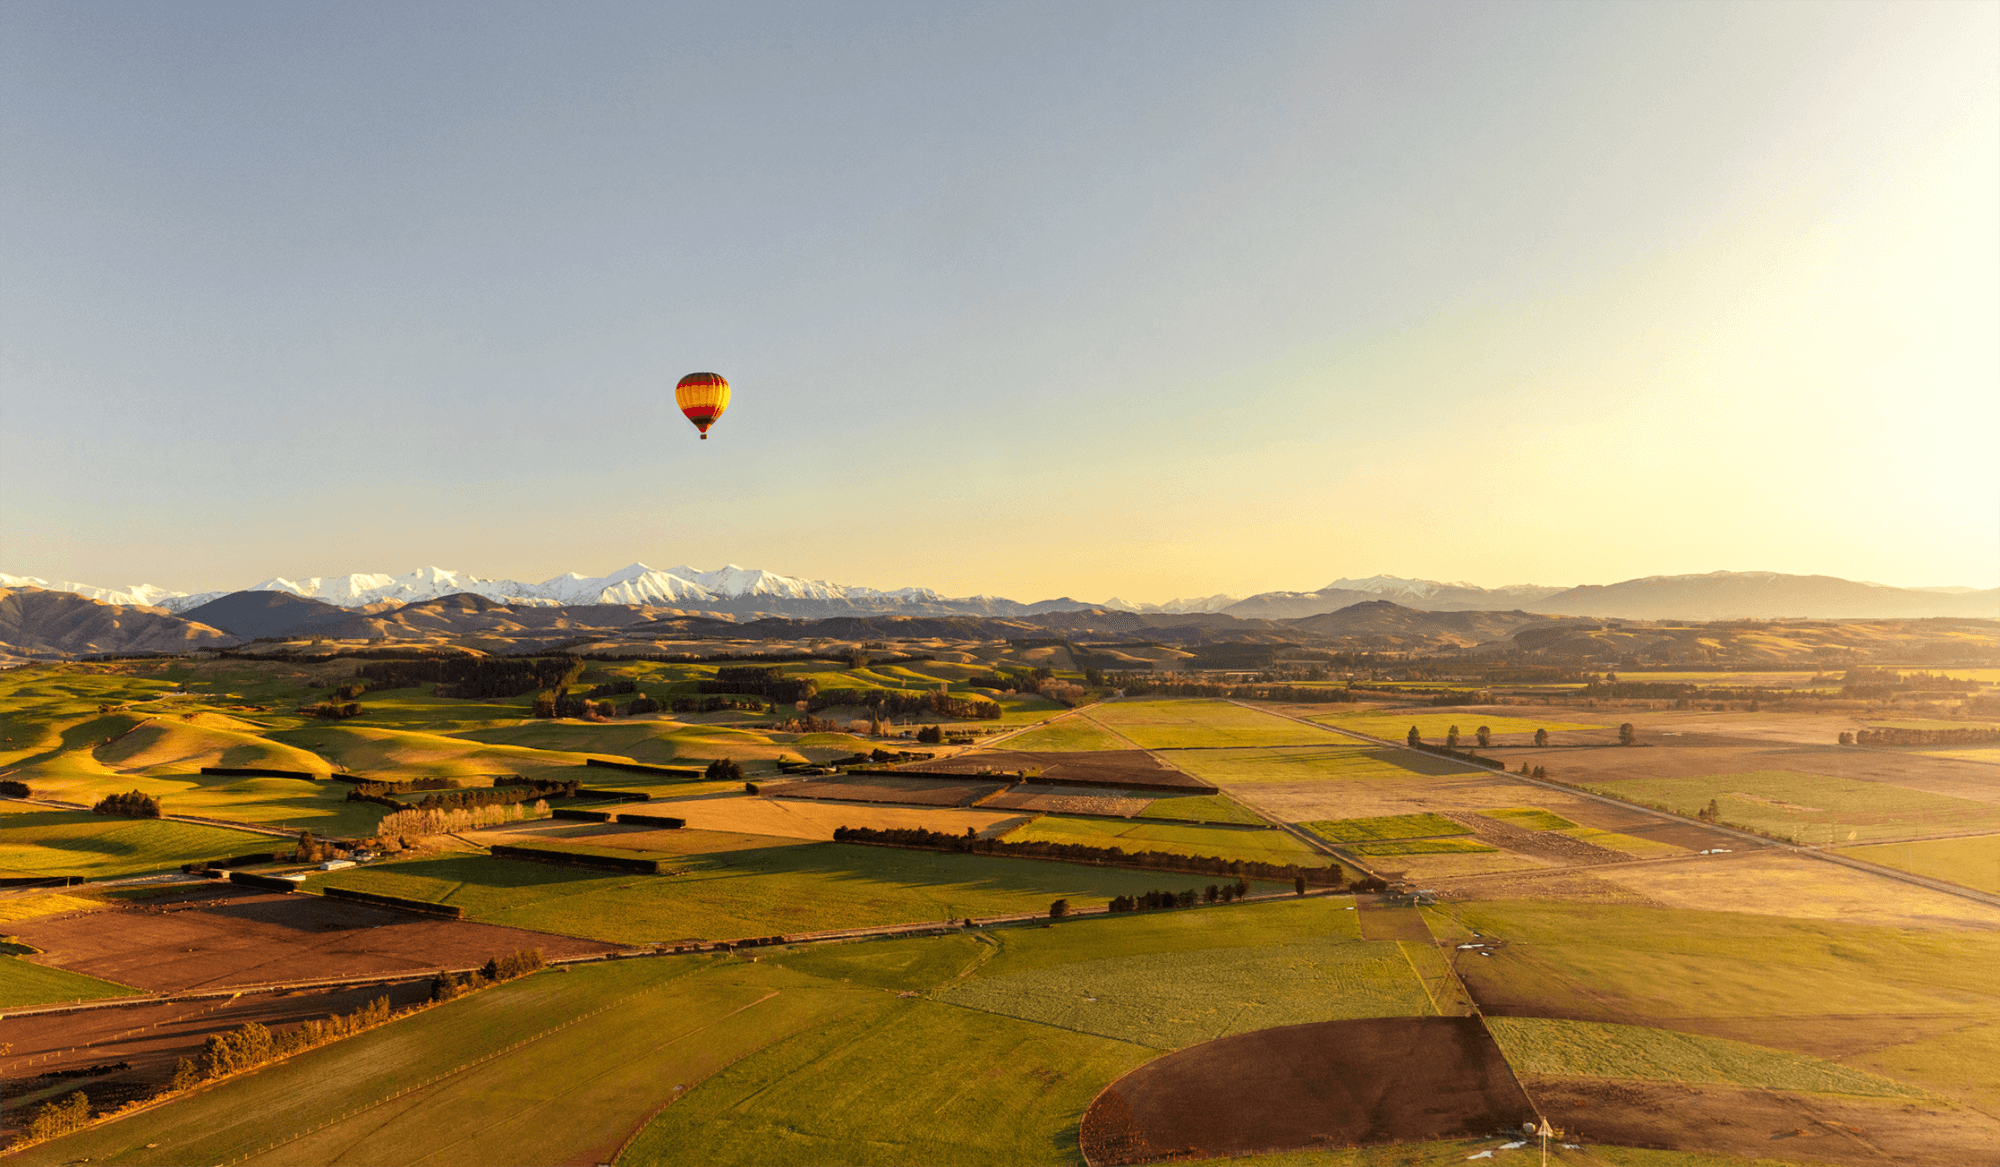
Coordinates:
1645	965
785	887
1219	842
93	846
1152	999
23	983
1423	847
1020	710
1070	733
1203	808
552	1068
1304	766
1972	862
1203	722
1394	826
1395	724
1809	807
907	1081
1140	967
1529	818
1593	1049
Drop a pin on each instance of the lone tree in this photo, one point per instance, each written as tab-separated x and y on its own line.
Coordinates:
1451	738
1712	813
1415	739
1627	736
1059	909
1541	737
1298	885
1485	736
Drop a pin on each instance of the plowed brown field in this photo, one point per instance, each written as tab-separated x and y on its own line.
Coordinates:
1329	1084
222	937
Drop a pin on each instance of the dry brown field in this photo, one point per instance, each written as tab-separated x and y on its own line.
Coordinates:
1135	768
1070	800
1775	882
889	788
1763	1124
224	937
1320	1086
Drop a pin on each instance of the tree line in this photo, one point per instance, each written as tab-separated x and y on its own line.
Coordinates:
916	838
1957	735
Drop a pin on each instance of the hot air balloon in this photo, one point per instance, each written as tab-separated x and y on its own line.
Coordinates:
703	397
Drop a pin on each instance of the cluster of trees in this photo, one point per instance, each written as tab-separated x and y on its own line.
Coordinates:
919	839
1460	697
1537	772
614	687
252	1044
807	723
56	1117
1879	683
477	676
928	734
444	822
1063	692
1958	735
557	703
132	804
12	789
1143	685
769	682
723	770
518	790
498	969
1224	893
1712	813
333	710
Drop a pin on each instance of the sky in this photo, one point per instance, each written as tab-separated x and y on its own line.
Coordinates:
1035	300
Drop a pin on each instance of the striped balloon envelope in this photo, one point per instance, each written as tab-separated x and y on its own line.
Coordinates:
703	397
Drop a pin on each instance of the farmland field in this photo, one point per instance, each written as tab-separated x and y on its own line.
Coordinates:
1593	1049
1811	808
628	1023
1206	808
1070	733
1203	723
1260	844
24	983
1969	862
1400	826
93	846
751	891
895	1082
1529	818
1246	767
1145	999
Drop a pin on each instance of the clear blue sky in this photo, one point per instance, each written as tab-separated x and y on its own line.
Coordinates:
1089	299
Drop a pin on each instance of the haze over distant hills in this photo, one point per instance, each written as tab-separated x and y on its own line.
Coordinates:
747	592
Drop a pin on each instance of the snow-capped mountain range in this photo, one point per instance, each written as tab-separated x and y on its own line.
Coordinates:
747	591
637	584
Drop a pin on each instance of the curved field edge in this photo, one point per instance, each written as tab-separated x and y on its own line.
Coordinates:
1595	1049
